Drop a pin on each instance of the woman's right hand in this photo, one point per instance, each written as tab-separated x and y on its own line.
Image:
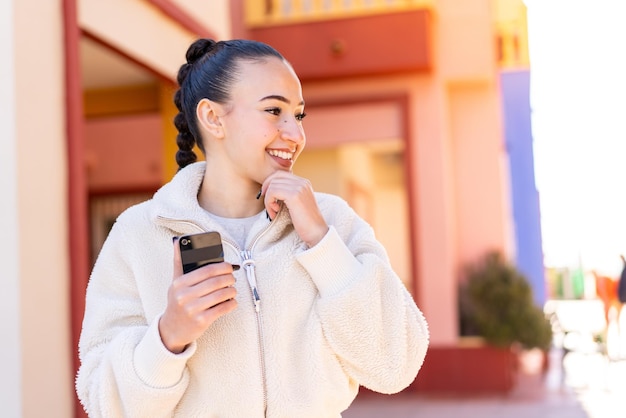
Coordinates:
194	301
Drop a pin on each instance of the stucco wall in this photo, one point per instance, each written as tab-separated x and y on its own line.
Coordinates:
214	14
478	170
38	378
112	145
458	171
10	357
158	42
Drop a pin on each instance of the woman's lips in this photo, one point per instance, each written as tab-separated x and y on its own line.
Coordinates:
283	158
282	162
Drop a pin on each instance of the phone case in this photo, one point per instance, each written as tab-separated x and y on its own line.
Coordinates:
198	250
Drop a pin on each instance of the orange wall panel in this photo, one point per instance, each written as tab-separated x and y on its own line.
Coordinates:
124	153
378	44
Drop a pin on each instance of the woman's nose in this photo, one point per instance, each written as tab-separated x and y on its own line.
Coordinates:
292	130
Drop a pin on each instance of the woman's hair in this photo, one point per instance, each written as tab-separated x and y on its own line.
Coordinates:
210	71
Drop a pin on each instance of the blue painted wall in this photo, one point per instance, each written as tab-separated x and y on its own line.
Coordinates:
515	87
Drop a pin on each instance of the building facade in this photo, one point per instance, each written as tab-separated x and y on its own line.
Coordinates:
406	122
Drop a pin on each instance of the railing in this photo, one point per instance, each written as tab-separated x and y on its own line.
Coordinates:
512	48
509	18
512	38
272	12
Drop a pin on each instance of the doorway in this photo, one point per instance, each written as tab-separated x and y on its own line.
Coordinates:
357	151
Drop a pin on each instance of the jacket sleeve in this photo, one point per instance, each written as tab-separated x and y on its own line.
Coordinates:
368	317
125	368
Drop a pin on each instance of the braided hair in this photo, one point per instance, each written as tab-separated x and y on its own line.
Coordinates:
209	72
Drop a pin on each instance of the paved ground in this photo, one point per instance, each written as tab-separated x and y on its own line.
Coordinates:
582	384
590	387
533	397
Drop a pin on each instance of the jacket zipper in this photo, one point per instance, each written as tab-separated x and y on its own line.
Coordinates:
250	269
249	266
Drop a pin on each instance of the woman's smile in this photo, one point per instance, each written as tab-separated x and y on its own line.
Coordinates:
283	157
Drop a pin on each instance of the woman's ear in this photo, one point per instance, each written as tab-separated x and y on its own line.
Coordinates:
207	113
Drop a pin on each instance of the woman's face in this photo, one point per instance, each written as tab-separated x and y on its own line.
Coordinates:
262	123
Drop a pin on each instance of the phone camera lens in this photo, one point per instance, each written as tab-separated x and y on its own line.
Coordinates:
184	241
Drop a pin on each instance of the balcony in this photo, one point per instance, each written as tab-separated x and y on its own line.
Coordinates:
511	28
273	12
345	38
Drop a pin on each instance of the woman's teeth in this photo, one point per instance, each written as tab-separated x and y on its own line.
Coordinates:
281	154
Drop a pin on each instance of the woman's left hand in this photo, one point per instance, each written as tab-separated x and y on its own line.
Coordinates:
283	187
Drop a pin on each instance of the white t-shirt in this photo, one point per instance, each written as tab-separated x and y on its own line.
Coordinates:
238	228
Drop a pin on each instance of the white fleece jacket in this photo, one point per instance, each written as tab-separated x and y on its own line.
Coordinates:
330	318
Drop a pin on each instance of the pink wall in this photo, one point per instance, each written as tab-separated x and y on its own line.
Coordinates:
124	152
458	178
479	171
36	376
453	133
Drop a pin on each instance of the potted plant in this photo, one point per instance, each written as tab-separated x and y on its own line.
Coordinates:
499	323
496	304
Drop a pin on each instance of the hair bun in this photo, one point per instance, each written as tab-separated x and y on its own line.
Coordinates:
199	48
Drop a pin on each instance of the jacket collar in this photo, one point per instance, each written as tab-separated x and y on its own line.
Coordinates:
176	207
177	201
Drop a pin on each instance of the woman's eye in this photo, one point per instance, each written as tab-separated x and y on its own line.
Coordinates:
274	111
300	116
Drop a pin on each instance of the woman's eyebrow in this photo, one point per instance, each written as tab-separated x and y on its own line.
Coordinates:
281	98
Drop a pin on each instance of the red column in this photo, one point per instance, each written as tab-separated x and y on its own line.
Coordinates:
77	182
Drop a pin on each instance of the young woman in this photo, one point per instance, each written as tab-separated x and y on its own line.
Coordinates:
316	309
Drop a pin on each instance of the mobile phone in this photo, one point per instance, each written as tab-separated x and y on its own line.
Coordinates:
197	250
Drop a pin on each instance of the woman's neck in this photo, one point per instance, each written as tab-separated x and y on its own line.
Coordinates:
229	197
